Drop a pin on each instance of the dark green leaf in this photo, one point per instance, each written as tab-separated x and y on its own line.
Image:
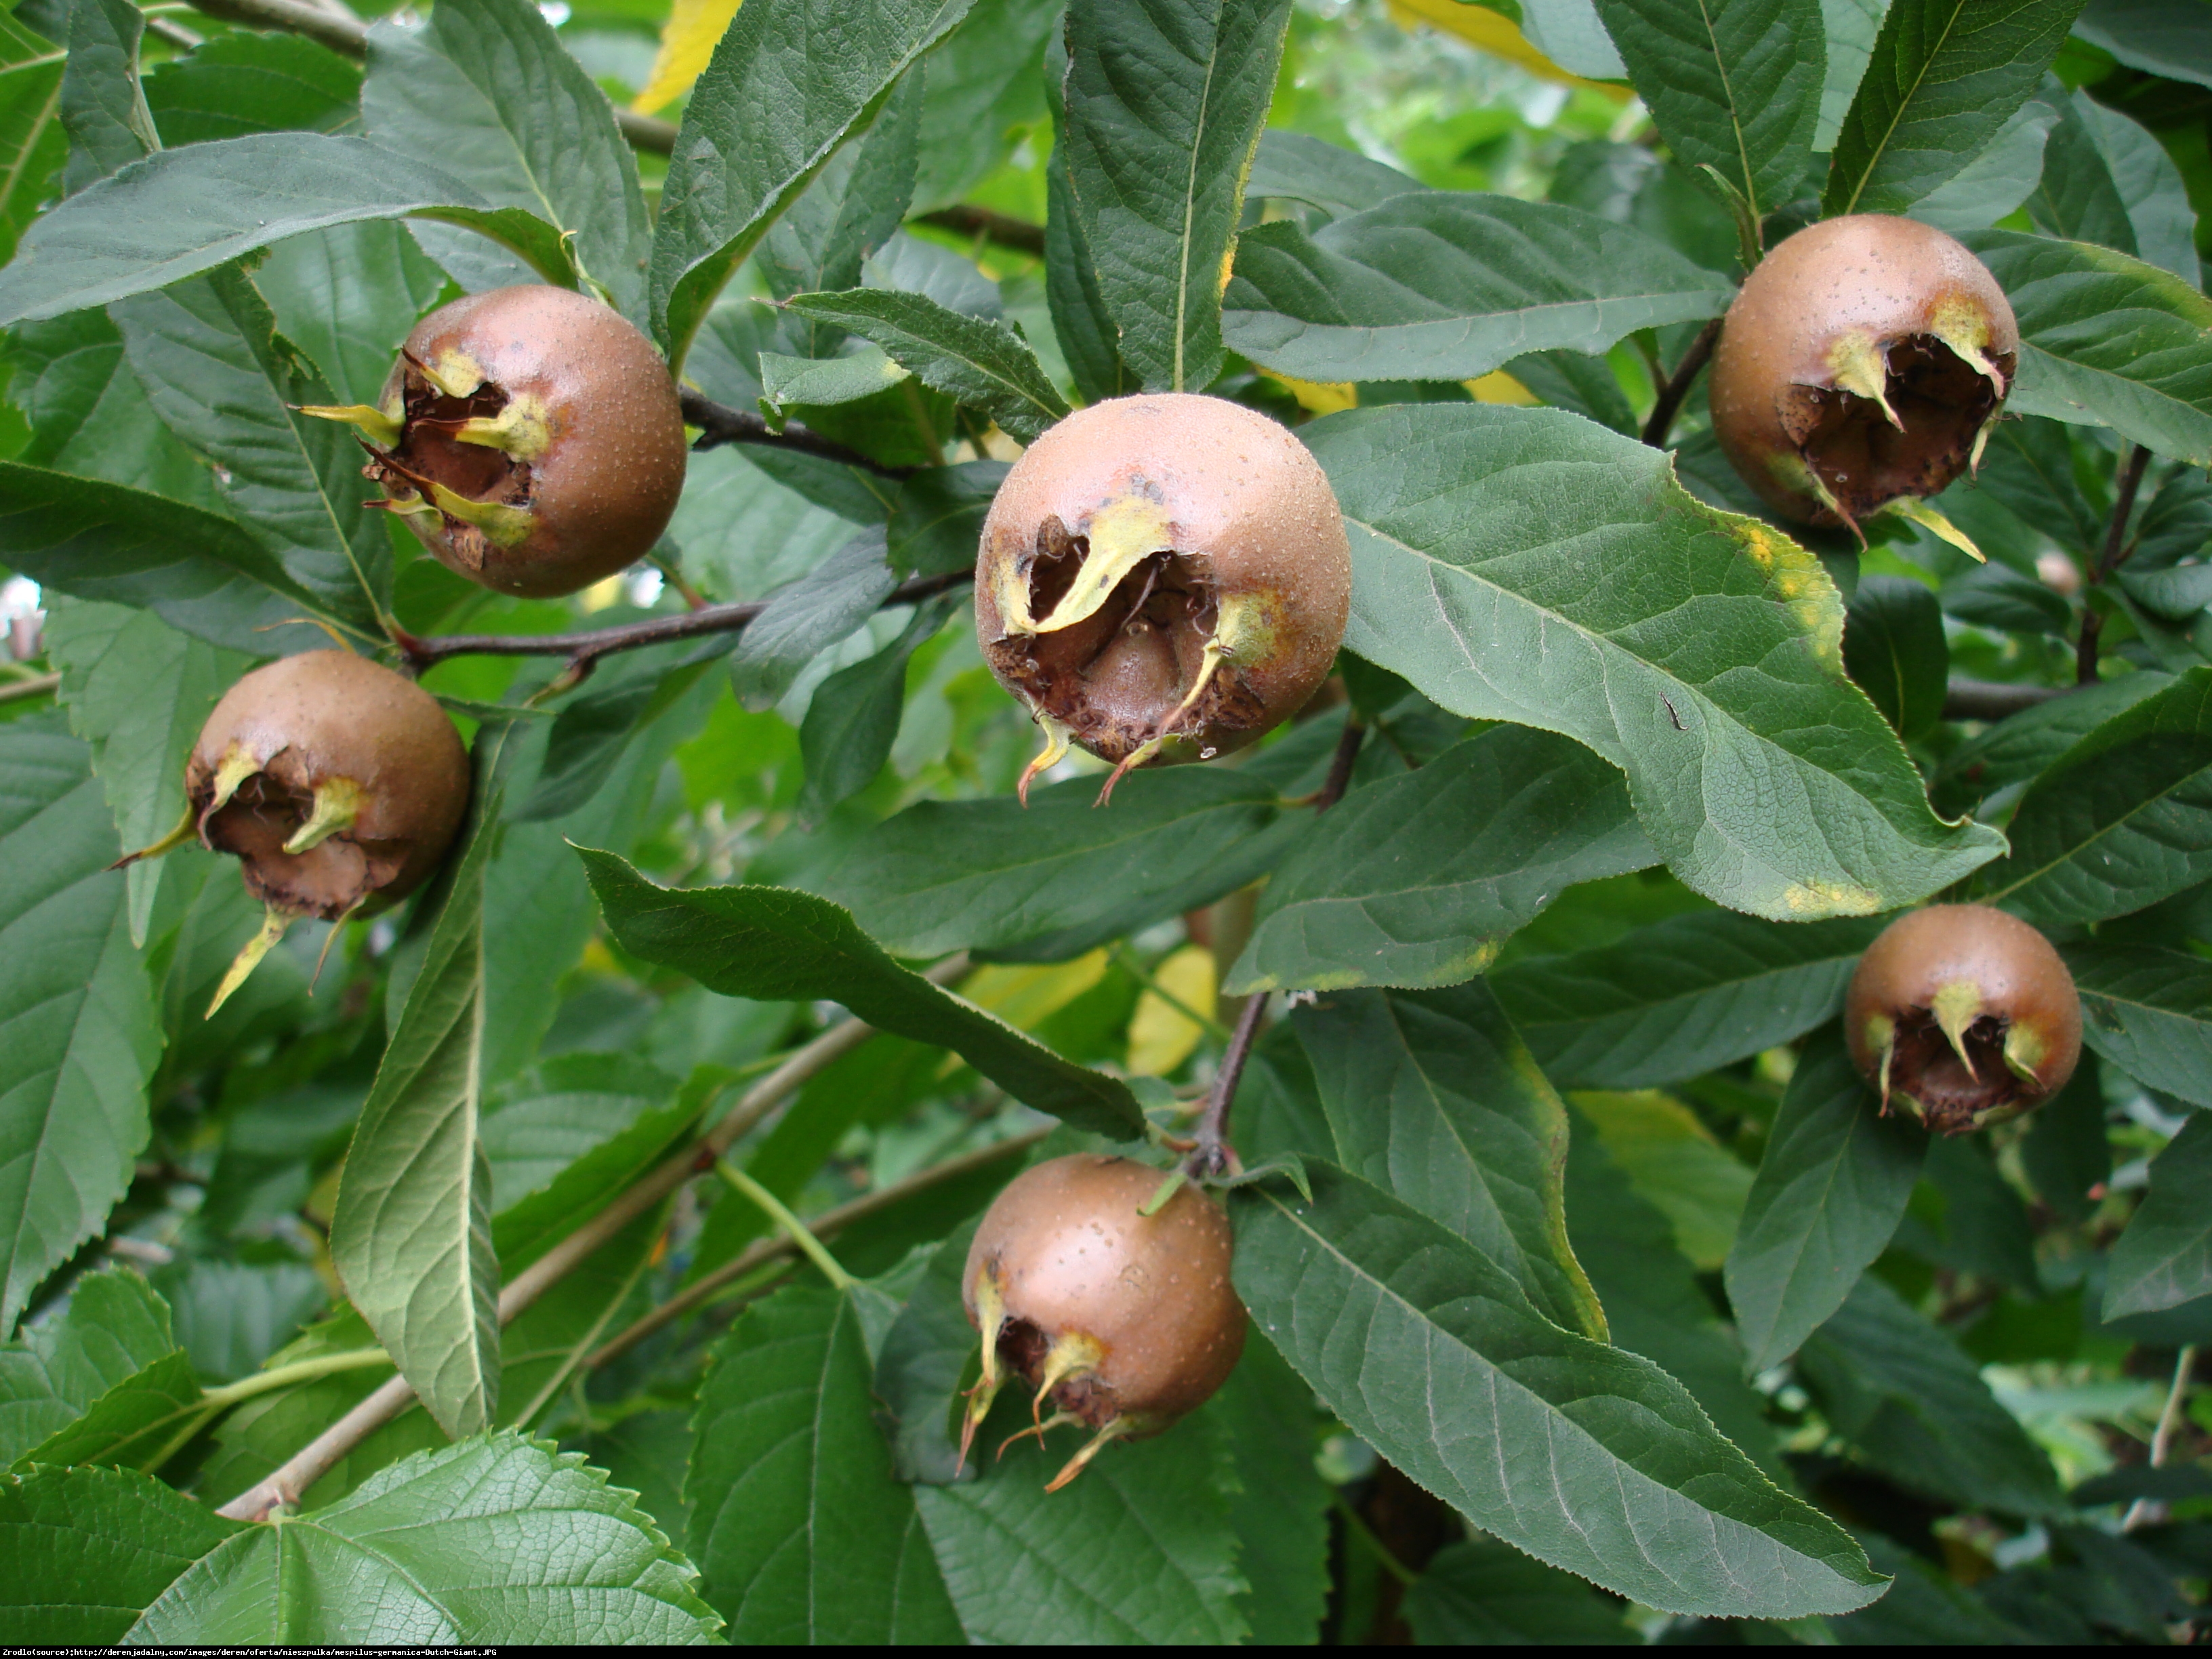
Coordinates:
2151	35
1278	1514
971	360
937	520
776	944
1486	1594
1419	880
771	109
411	1235
1062	877
241	83
1896	652
1945	75
1445	285
2148	1012
82	1552
78	1035
852	718
1982	1228
1576	381
1087	338
808	616
2021	745
2029	468
1829	1195
1924	1605
102	105
231	1315
801	1534
1708	666
89	416
852	209
1916	1408
593	732
1995	183
2120	820
1679	997
33	143
487	88
1574	1451
2164	1257
183	211
985	87
1432	1096
1733	84
2108	180
347	295
1164	104
2106	340
496	1540
100	1375
2065	1152
565	1108
1292	166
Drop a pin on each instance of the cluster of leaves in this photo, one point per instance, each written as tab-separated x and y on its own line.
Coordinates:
1607	1302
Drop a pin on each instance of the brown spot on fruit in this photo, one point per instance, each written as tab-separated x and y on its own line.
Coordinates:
1162	578
1861	363
539	445
1125	1321
1965	1013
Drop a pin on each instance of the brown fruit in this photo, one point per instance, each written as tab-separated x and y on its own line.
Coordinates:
1125	1321
1861	365
530	437
1965	1012
1162	578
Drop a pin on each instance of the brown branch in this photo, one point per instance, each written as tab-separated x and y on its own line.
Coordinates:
585	647
1000	227
720	425
2116	549
287	1483
1678	384
1988	700
1339	766
36	686
704	1289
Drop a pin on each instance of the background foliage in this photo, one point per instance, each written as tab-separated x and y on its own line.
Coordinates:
1608	1309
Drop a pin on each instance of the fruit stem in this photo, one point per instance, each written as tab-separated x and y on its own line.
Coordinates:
1678	386
779	1212
2115	555
1211	1158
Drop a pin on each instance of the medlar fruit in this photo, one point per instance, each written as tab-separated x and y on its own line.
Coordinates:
1162	578
1860	368
1966	1014
338	784
1125	1320
530	437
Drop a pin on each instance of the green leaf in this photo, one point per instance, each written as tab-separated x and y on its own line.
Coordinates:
2151	35
806	617
1674	1163
98	1380
239	83
1278	1513
1418	880
102	105
137	691
1486	1594
1828	1196
1575	1452
488	89
231	388
593	733
1895	650
231	1315
1446	285
1680	998
801	1534
89	416
1164	104
183	211
793	382
78	1033
1432	1097
344	296
2106	340
499	1539
973	361
1061	877
2106	180
2122	819
775	944
2164	1257
565	1108
853	208
1995	183
1295	167
2149	1011
937	517
770	110
985	87
1707	666
1137	1550
2020	747
411	1234
1945	75
33	143
83	1551
1916	1409
1732	84
1087	338
852	718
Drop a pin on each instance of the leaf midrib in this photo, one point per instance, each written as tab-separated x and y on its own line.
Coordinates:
2073	854
1904	102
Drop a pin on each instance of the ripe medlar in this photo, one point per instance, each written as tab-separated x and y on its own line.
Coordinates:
530	437
1125	1320
1162	578
1965	1012
1860	368
338	784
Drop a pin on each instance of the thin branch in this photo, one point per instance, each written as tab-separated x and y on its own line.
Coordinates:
704	1289
1003	228
298	1473
37	686
1990	700
720	425
586	646
2116	549
1678	384
1212	1155
2149	1511
1339	766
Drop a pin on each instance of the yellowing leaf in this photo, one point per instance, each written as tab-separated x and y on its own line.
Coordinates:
1316	397
1025	996
1673	1160
1162	1035
1493	32
1500	387
688	41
